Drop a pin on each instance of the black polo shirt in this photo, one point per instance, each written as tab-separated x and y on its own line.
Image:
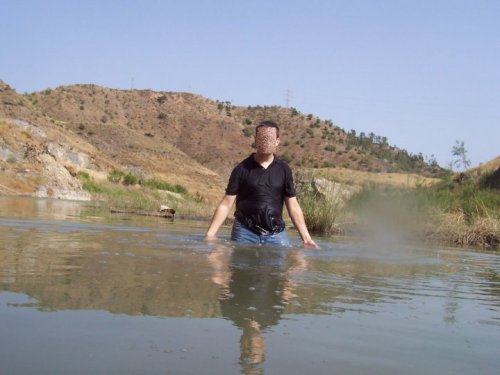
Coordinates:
260	193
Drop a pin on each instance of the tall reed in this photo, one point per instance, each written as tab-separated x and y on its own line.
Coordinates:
320	213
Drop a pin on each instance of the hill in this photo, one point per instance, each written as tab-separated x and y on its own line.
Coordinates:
181	138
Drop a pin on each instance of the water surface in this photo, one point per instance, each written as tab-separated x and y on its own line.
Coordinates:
84	291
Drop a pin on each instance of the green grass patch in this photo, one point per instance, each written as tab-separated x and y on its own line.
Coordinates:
83	176
162	185
148	197
116	176
88	183
92	187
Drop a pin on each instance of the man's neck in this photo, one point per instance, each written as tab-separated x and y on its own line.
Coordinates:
264	159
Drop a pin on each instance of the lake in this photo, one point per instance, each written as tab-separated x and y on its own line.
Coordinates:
83	291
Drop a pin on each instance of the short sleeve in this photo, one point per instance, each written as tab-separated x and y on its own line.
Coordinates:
234	182
289	188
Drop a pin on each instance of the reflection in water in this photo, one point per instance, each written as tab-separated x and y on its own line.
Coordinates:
255	286
112	268
406	310
40	208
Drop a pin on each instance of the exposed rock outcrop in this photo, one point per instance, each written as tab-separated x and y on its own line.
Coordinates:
59	182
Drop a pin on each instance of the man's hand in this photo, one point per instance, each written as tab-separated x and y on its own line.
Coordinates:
210	238
297	217
310	244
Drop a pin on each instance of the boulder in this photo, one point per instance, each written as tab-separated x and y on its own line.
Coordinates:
166	209
330	190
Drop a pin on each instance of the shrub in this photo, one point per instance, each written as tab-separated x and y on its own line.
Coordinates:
330	148
162	116
83	176
129	179
320	213
115	176
248	132
71	170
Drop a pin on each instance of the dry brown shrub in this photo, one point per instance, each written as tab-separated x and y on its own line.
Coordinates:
452	228
71	170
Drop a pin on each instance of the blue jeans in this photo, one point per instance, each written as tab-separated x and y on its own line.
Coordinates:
242	234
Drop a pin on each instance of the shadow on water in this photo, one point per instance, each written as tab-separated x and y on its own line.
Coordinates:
293	310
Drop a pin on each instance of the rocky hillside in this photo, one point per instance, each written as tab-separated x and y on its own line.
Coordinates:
181	138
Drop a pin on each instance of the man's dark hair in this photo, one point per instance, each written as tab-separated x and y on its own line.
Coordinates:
268	124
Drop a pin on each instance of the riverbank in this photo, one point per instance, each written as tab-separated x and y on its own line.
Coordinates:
460	210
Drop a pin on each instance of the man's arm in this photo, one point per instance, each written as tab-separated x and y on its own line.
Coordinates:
295	212
220	215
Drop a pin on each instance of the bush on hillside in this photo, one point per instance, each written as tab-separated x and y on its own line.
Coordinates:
129	179
115	176
248	132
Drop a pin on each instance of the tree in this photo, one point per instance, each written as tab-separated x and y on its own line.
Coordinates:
460	154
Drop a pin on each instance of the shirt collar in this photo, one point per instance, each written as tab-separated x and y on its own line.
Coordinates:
256	163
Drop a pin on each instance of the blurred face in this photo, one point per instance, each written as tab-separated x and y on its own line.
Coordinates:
266	140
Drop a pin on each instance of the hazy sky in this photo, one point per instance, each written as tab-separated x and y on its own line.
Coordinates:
422	73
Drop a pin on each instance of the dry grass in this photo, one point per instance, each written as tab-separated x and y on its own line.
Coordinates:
12	135
15	185
353	177
452	228
486	167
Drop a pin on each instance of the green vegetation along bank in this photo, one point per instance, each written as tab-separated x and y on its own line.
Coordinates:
460	210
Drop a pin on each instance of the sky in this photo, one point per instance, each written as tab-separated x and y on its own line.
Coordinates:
423	73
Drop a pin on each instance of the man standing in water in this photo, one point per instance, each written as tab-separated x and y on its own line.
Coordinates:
260	185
